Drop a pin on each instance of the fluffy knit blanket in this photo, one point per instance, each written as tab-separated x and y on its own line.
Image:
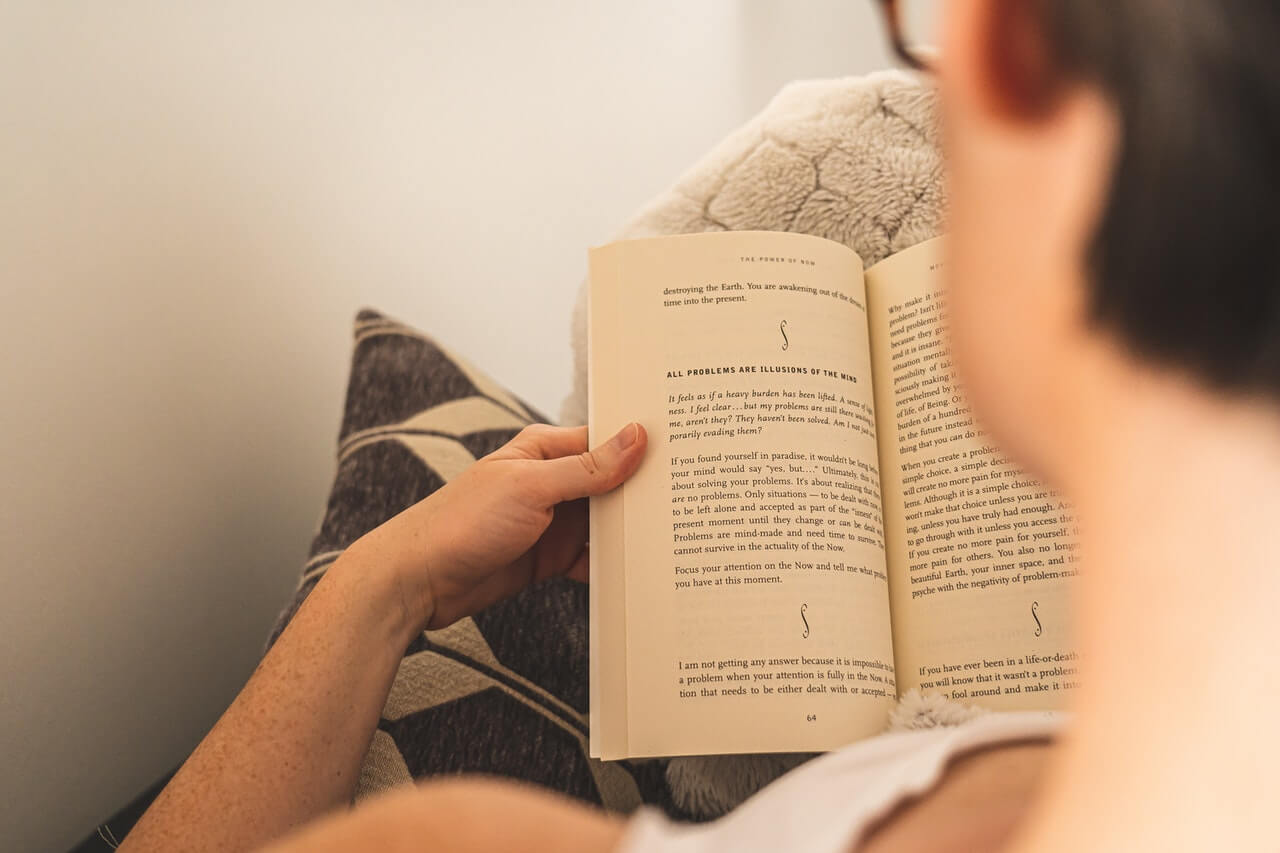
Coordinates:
854	160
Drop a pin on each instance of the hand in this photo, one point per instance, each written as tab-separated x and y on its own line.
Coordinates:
515	517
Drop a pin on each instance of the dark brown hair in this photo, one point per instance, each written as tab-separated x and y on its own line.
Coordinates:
1186	258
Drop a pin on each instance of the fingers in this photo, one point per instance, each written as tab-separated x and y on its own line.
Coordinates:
594	472
581	568
563	540
543	441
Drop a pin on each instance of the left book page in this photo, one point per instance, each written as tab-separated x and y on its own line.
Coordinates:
739	597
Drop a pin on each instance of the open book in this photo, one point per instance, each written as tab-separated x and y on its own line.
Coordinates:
819	524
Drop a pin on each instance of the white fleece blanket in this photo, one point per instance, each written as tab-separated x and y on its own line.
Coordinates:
854	160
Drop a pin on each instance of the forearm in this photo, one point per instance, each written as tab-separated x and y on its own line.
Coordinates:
290	747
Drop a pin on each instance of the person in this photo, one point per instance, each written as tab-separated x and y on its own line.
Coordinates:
1116	322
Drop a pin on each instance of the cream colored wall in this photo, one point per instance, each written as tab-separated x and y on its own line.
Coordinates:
194	200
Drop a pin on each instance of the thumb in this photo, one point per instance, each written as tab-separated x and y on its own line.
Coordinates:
597	471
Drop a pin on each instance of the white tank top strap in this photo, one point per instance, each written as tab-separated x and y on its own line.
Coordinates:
827	805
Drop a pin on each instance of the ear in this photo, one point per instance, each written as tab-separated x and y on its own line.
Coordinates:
998	59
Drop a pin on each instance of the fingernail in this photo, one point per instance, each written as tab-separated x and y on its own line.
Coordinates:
625	437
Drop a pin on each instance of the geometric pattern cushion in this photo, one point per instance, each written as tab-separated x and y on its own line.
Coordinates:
503	692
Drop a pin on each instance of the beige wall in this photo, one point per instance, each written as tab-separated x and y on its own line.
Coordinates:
194	200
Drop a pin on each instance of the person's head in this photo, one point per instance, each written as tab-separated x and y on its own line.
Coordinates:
1113	177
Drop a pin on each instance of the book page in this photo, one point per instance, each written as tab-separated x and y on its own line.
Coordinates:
739	576
981	556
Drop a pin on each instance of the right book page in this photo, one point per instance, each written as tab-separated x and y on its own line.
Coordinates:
980	556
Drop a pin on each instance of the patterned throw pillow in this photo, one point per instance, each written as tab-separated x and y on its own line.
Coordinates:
503	692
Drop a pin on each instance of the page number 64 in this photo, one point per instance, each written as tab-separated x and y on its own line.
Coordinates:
811	718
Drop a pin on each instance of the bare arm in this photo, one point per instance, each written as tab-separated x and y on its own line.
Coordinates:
290	747
462	816
980	801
